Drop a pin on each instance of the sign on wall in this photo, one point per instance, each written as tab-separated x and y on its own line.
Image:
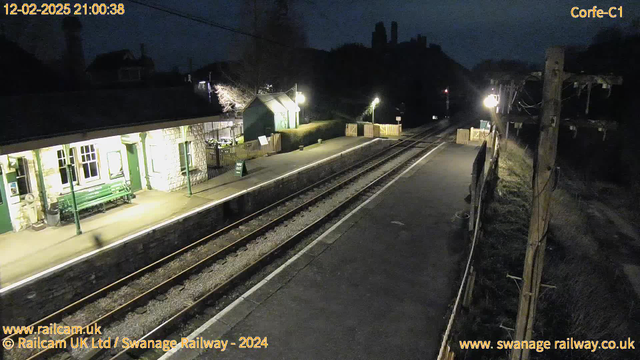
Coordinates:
13	189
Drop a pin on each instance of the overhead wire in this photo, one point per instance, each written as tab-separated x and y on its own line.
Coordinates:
201	20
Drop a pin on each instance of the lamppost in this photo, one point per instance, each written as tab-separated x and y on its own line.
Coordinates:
70	172
375	102
446	91
491	101
300	99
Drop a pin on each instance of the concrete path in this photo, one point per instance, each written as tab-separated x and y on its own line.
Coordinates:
377	286
29	252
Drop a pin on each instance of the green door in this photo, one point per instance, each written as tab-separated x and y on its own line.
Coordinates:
134	167
5	217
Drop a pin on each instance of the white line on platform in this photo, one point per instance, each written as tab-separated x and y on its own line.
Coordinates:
172	220
242	298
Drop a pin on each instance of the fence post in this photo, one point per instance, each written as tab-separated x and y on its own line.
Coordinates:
472	189
217	149
468	293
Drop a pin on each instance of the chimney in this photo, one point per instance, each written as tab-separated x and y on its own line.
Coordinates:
394	33
421	41
74	55
142	54
379	36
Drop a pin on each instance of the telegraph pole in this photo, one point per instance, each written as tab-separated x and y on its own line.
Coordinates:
544	167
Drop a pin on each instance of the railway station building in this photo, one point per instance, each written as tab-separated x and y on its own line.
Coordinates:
117	142
269	113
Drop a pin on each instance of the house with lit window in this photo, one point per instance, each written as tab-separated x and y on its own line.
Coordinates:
120	67
96	143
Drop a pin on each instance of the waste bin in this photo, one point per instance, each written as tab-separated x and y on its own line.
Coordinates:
53	216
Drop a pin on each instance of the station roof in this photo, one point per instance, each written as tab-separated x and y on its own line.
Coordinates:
28	118
276	102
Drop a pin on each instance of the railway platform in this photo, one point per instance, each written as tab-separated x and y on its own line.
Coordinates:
376	285
28	253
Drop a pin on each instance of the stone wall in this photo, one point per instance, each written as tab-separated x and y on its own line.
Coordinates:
46	294
164	158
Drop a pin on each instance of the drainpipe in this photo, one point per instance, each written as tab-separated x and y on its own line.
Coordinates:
186	163
143	137
76	216
185	129
43	191
295	96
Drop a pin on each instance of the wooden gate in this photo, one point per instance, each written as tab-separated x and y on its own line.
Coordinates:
351	130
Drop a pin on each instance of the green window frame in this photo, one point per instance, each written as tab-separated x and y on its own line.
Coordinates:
89	157
22	176
181	149
62	166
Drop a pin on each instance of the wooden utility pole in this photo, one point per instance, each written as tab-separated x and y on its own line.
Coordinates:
544	167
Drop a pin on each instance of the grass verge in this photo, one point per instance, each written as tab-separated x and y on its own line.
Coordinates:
593	299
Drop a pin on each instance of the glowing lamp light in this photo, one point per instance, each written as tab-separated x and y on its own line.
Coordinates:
300	99
375	102
491	101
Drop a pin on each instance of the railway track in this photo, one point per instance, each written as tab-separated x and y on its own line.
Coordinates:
175	275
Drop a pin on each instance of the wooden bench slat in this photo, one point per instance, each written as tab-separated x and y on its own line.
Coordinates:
90	197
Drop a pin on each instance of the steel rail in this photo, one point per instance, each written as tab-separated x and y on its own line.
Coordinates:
57	315
216	293
165	285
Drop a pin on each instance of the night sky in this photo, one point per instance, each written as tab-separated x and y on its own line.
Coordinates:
468	31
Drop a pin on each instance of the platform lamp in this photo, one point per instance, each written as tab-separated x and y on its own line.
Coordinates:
300	99
446	92
375	102
184	130
70	172
491	101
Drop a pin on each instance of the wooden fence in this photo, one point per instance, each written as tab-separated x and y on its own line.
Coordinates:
351	130
374	130
483	180
390	129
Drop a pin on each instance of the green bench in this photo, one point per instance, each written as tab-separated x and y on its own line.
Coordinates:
94	196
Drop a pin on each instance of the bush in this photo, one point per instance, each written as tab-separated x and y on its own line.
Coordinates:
310	133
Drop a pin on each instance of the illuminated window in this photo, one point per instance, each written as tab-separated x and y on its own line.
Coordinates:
22	176
114	161
189	156
62	166
89	162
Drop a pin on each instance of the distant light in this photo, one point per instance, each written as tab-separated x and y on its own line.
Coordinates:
491	101
434	117
300	98
446	91
202	82
375	102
